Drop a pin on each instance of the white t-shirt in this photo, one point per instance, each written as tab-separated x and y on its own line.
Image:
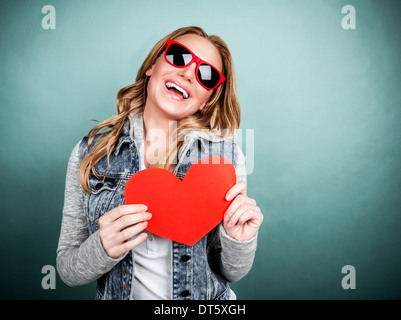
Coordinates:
151	260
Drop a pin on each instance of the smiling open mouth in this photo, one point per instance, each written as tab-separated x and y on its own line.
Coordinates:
174	87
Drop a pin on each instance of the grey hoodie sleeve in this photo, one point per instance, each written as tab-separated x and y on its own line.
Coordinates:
236	256
81	258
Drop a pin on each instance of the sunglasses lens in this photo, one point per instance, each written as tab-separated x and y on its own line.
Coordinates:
208	76
178	55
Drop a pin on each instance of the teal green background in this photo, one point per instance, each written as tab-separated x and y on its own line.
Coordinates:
324	104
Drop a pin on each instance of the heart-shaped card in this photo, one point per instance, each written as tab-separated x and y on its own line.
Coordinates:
183	210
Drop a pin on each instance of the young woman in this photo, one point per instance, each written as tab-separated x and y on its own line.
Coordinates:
185	88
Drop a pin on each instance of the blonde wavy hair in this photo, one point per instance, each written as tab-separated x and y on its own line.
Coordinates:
221	113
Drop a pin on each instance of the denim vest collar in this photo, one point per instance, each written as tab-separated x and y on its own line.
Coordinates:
133	131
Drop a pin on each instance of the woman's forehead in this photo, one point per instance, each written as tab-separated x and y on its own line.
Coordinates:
202	47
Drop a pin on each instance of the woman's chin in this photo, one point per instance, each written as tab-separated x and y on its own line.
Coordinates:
174	111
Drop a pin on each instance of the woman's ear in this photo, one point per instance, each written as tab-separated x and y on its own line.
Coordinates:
210	98
202	106
150	70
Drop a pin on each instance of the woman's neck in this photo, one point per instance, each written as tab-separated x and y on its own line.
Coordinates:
154	120
156	129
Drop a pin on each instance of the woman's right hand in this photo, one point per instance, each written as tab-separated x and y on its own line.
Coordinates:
119	225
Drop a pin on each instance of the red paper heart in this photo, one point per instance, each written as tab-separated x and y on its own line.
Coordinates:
183	211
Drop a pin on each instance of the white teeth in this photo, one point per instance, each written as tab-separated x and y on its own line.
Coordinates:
173	85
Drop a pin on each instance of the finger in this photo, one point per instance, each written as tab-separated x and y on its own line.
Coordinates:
129	245
258	218
233	207
252	215
238	188
128	233
112	239
122	210
239	200
129	220
248	216
234	218
118	251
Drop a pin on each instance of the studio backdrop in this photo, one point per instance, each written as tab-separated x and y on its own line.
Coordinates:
319	83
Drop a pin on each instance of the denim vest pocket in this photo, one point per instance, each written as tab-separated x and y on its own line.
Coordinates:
107	183
99	295
225	295
102	199
219	288
102	284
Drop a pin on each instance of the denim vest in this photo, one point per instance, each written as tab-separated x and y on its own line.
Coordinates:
195	269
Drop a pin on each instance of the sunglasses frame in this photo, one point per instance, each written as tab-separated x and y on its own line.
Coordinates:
195	59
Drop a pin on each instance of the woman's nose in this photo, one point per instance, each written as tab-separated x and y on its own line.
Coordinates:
188	73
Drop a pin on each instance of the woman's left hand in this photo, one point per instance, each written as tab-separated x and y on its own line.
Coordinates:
243	217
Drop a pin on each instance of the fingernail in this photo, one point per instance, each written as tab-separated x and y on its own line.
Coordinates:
228	197
226	217
148	215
